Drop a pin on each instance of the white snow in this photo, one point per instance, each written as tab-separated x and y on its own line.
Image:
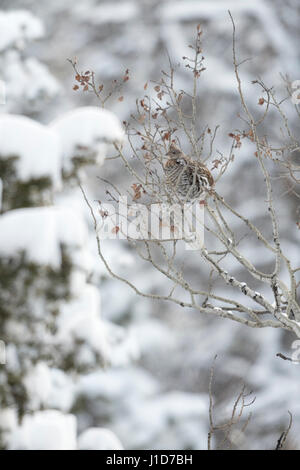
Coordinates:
47	387
80	319
153	336
38	385
114	384
123	344
176	348
1	193
108	12
37	147
45	430
89	128
16	27
28	82
171	419
99	439
61	394
8	419
40	231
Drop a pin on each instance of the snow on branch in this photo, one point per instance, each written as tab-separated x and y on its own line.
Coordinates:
35	147
17	28
28	83
40	231
85	134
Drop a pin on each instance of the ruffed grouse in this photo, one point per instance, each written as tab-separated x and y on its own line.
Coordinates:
185	177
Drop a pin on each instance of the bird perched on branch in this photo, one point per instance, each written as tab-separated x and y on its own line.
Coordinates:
186	178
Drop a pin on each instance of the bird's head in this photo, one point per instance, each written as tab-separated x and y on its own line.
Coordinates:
174	152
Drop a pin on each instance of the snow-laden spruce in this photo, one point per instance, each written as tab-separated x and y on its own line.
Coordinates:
85	134
19	27
51	315
28	83
35	147
39	233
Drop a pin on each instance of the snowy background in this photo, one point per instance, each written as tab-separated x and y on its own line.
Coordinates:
88	364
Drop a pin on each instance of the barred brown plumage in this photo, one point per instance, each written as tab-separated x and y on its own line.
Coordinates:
186	178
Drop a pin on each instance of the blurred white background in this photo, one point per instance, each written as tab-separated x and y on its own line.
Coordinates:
135	370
